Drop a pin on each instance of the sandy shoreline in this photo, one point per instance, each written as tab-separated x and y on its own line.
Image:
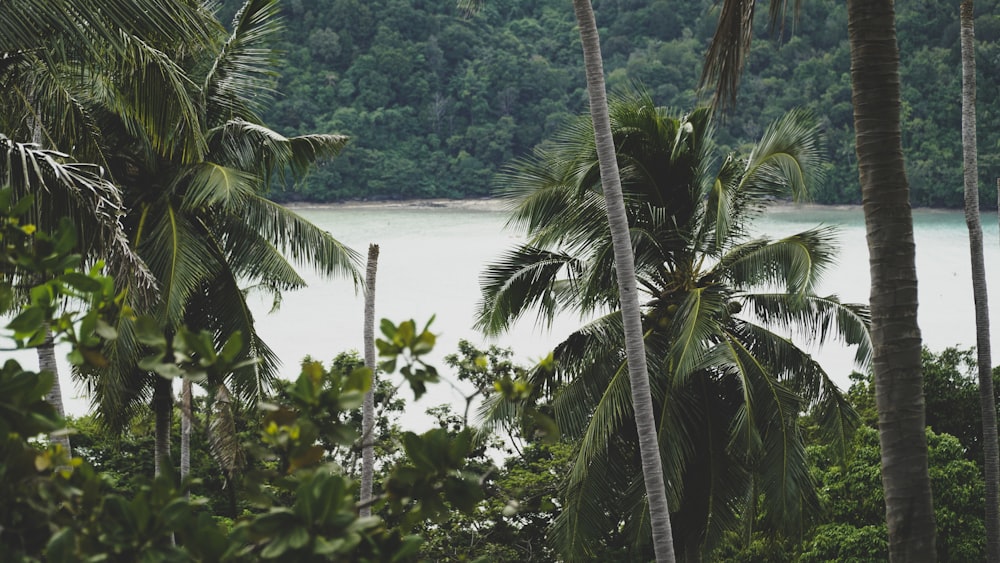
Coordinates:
497	204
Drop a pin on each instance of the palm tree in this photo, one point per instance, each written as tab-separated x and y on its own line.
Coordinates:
727	389
624	266
889	222
204	226
991	465
45	50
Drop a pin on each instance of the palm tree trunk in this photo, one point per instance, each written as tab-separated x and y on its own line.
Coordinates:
642	403
895	333
163	406
368	410
186	430
47	362
987	404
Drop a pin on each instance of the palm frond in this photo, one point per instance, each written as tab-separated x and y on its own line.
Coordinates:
179	255
694	328
787	160
241	79
730	46
523	278
305	243
150	94
817	319
77	191
796	369
261	151
208	184
795	263
92	25
779	457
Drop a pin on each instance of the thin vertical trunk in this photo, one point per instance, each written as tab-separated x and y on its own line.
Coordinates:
47	362
987	404
186	430
368	410
895	333
642	403
163	406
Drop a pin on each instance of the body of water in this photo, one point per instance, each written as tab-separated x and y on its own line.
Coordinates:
431	258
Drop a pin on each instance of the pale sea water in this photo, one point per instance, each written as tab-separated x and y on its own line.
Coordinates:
431	258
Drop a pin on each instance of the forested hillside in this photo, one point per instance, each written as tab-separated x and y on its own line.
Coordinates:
436	100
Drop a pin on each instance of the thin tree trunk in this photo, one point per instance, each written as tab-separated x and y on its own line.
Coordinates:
895	333
368	410
163	406
186	431
987	404
47	362
642	403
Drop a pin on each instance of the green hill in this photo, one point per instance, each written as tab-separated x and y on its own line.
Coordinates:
435	101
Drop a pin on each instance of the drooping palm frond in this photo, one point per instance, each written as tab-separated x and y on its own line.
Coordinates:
179	255
523	278
80	192
797	370
769	418
303	242
242	75
817	320
255	260
694	329
708	482
730	46
795	264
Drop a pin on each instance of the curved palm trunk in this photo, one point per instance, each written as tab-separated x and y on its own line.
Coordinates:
163	406
895	334
368	410
987	404
47	362
642	402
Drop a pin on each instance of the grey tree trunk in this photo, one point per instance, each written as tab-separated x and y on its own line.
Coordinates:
895	334
186	430
47	362
368	409
987	404
642	402
163	406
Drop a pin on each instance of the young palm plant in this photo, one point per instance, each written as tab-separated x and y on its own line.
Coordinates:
728	384
205	227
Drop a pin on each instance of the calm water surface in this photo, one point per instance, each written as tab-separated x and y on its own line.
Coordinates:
431	258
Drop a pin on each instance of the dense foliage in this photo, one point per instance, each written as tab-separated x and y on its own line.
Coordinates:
436	101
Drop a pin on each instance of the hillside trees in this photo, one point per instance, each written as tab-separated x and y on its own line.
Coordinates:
442	129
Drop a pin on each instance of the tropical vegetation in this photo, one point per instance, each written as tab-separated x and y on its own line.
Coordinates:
717	307
691	359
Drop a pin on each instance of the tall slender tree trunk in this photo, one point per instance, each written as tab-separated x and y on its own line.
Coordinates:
368	409
163	406
642	402
987	404
186	414
895	335
47	362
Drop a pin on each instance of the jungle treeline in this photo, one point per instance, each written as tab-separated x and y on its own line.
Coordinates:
436	100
